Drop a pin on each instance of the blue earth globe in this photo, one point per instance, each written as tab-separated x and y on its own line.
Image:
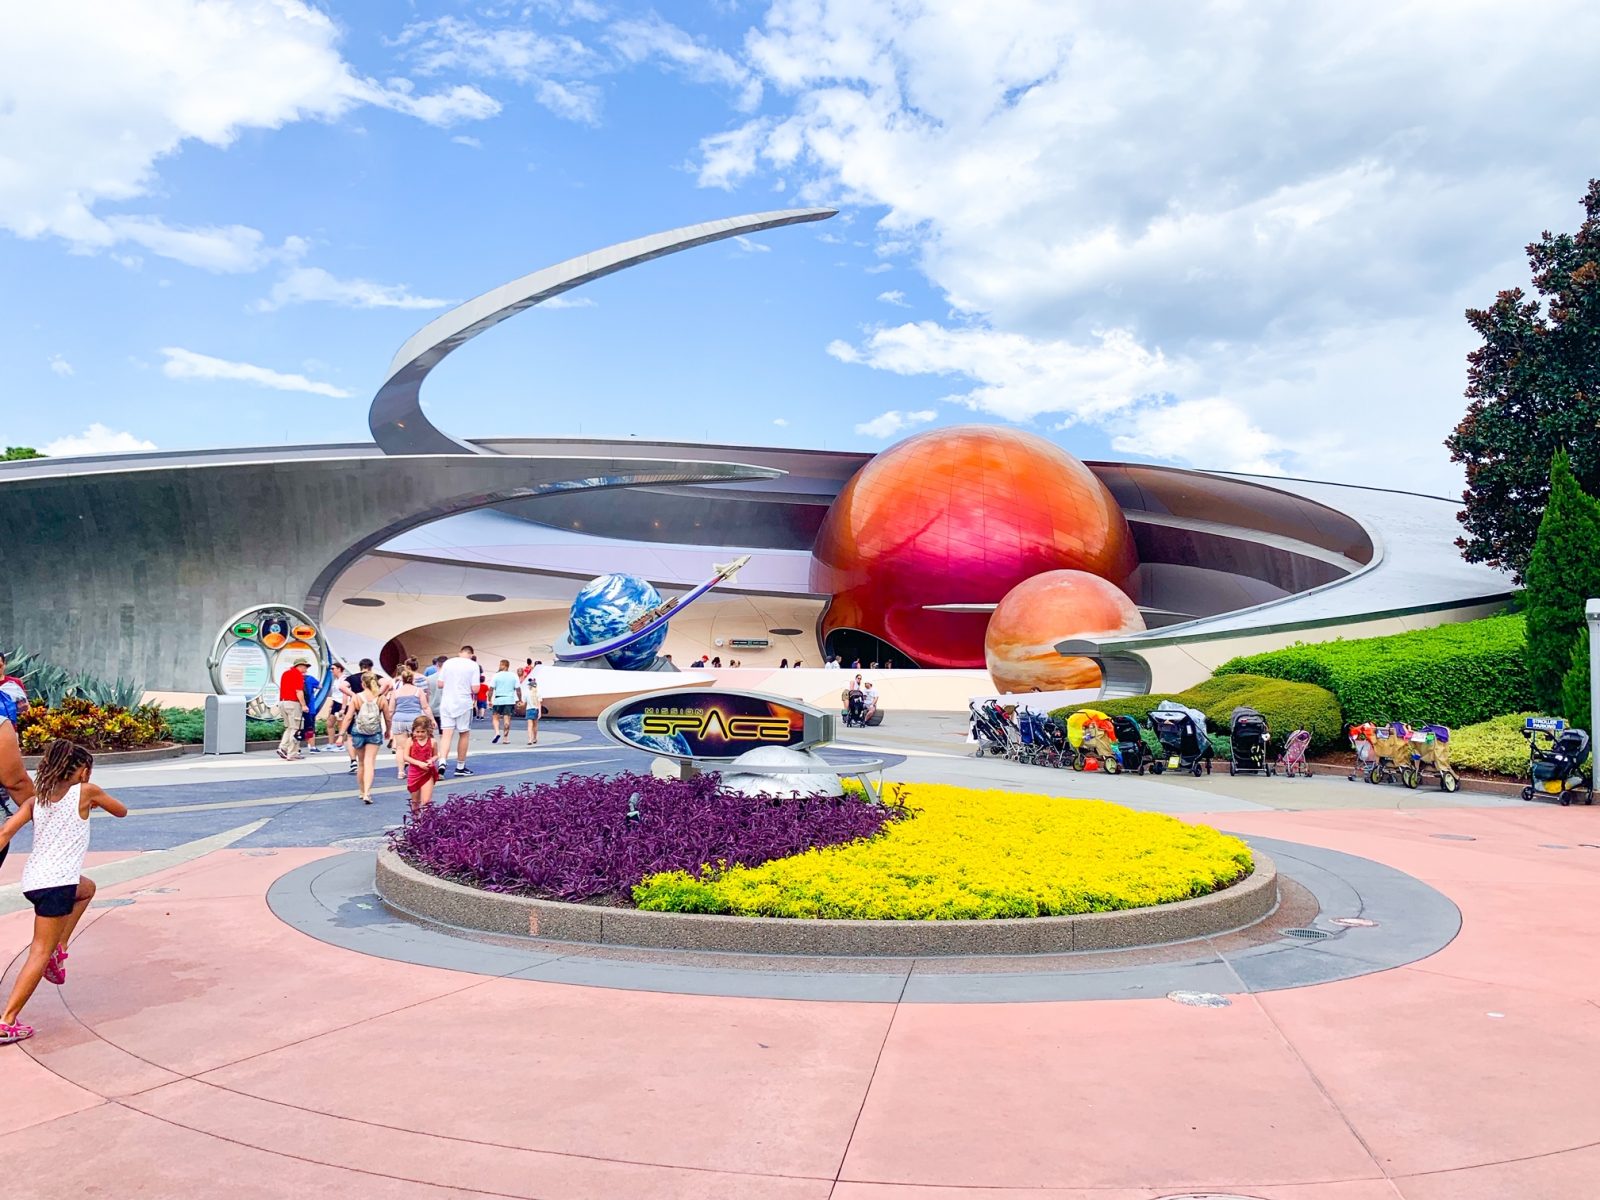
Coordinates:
603	610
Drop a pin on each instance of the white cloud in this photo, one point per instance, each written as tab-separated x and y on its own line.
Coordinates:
307	285
96	94
463	139
886	425
555	67
97	439
896	297
878	268
568	302
781	422
61	366
1168	173
652	38
187	365
751	246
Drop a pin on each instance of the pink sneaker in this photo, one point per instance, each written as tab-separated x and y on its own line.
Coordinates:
55	971
15	1033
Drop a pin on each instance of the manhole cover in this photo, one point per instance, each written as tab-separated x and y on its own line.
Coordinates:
1199	999
1453	837
120	902
259	853
1355	922
1309	935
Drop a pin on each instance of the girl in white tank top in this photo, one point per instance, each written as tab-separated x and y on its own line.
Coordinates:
52	879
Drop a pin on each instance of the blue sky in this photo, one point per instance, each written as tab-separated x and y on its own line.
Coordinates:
1221	238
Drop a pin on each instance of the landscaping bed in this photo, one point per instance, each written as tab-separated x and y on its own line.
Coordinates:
934	853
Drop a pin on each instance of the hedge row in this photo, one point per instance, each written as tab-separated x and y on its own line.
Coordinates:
1286	706
1496	745
1453	675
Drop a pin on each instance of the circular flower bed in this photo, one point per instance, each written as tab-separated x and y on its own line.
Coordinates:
574	839
974	854
933	853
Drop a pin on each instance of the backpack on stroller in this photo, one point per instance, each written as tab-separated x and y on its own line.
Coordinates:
855	709
1293	759
1130	749
1555	761
1248	735
1182	734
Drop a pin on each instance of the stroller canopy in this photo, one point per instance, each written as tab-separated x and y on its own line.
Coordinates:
1247	719
1169	710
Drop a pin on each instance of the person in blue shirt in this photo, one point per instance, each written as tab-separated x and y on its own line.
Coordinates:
13	775
503	696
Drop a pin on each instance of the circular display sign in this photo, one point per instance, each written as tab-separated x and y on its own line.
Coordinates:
244	670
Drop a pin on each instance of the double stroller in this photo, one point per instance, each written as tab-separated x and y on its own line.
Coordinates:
1248	736
988	724
1555	761
1182	733
1394	752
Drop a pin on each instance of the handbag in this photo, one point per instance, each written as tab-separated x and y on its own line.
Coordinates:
520	708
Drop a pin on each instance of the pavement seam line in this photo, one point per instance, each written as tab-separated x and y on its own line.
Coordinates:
866	1092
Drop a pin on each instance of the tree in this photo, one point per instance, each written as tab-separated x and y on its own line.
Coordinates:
1563	572
15	452
1535	389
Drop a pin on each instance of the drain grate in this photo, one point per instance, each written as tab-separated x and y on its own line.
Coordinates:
1453	837
1355	922
259	853
1199	999
119	902
1553	846
1209	1196
1308	935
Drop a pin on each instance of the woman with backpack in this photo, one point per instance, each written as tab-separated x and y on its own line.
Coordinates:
366	731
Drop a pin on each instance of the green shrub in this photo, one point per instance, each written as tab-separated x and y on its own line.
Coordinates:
1563	571
1451	675
188	726
1575	703
1287	706
1495	745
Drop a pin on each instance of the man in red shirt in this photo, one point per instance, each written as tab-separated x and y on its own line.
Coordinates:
291	708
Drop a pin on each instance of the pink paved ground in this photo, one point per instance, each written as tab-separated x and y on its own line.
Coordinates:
202	1048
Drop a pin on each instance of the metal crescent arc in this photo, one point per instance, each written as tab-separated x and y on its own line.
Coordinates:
396	418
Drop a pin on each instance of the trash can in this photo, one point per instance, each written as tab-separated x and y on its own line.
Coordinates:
224	725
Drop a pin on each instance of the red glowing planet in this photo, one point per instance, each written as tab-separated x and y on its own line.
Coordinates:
955	517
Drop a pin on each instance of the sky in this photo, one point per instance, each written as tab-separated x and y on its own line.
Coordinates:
1233	236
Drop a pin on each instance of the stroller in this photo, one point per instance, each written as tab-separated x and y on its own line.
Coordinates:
1555	761
1430	750
855	711
988	728
1248	734
1131	754
1089	733
1182	732
1293	759
1042	740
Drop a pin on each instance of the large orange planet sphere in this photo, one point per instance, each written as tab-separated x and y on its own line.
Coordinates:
958	517
1020	645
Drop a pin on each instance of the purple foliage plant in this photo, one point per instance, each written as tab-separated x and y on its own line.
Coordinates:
574	839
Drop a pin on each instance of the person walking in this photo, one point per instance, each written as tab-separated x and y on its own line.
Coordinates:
405	704
338	692
503	695
530	704
53	880
291	708
366	732
421	763
459	681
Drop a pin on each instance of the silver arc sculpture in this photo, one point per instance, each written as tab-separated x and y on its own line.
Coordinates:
396	419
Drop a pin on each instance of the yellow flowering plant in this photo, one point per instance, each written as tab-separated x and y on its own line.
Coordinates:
963	853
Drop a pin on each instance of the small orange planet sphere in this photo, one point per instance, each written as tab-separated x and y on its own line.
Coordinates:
1019	647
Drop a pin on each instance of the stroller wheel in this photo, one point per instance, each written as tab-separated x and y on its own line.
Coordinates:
1410	777
1233	769
1527	793
1566	799
1449	782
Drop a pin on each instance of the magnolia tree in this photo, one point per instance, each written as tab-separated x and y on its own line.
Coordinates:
1535	389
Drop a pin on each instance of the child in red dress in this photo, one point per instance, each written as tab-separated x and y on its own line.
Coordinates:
422	764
